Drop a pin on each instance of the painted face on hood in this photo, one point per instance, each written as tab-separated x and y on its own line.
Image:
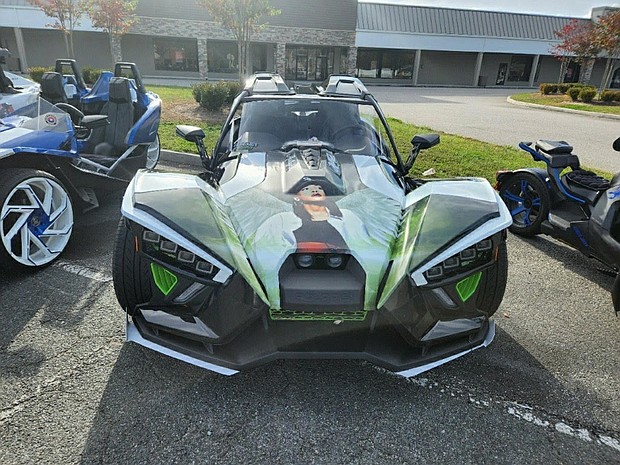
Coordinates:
311	193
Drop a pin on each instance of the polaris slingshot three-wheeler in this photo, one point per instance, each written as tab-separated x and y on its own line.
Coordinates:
54	160
304	238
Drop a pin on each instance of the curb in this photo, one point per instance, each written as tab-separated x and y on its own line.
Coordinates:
182	158
562	110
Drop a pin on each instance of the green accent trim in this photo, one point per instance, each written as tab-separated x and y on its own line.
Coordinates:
292	315
468	286
165	280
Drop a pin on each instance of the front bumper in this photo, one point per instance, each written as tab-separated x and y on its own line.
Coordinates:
376	341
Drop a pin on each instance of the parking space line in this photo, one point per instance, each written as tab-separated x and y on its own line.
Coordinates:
86	272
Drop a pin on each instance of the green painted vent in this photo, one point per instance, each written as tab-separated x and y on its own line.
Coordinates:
164	279
468	286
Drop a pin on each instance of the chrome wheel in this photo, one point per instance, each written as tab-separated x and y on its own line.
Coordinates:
36	219
152	153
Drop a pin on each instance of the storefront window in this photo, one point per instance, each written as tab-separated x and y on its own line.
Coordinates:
222	57
175	54
385	64
520	68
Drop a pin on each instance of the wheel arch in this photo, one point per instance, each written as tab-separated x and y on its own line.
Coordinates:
503	176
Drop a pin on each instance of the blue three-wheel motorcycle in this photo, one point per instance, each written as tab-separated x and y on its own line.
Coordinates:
62	148
578	207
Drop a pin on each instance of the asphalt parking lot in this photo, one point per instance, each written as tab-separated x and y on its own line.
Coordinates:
547	390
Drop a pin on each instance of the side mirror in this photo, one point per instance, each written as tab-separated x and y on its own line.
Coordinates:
420	142
190	133
616	145
196	135
425	141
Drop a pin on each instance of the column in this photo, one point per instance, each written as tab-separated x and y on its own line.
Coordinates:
351	61
534	69
280	59
416	66
203	63
478	68
21	50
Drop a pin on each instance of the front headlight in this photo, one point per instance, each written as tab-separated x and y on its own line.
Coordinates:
169	252
466	260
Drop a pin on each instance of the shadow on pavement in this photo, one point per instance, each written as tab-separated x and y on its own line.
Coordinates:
155	409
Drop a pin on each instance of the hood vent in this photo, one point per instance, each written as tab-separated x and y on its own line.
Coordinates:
312	157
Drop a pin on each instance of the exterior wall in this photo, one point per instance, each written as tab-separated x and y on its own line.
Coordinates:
447	68
597	71
315	14
91	48
490	67
269	34
549	69
7	40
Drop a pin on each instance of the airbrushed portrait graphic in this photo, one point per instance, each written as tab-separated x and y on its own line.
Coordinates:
315	210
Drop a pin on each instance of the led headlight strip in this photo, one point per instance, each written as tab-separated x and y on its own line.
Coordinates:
467	259
169	251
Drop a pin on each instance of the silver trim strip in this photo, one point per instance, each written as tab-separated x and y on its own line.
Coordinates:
133	335
421	369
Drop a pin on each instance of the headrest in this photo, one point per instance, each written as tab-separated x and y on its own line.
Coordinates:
51	85
120	90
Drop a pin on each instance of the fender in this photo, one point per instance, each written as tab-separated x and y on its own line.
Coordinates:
503	176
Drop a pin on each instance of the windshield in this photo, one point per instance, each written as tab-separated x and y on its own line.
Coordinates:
37	115
351	127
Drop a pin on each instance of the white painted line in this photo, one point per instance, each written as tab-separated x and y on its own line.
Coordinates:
520	411
83	271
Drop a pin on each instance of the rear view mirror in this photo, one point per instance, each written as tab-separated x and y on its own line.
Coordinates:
190	133
616	145
420	142
425	141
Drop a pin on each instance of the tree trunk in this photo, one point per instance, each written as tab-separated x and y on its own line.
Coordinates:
66	37
71	45
240	58
115	48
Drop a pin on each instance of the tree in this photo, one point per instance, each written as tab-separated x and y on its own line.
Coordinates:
608	38
67	14
241	17
116	18
578	43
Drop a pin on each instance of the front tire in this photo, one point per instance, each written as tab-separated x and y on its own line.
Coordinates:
528	201
493	283
36	218
131	274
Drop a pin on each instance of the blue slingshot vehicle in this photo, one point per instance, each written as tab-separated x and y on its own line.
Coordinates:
54	160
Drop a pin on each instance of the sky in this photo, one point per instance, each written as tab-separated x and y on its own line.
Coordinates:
573	8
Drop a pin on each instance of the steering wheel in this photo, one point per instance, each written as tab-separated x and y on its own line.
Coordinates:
75	114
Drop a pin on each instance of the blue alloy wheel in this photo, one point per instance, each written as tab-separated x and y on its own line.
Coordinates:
527	198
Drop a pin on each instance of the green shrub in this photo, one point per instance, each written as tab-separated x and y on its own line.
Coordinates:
91	74
562	88
213	96
36	72
573	93
608	95
587	95
234	88
545	89
197	90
